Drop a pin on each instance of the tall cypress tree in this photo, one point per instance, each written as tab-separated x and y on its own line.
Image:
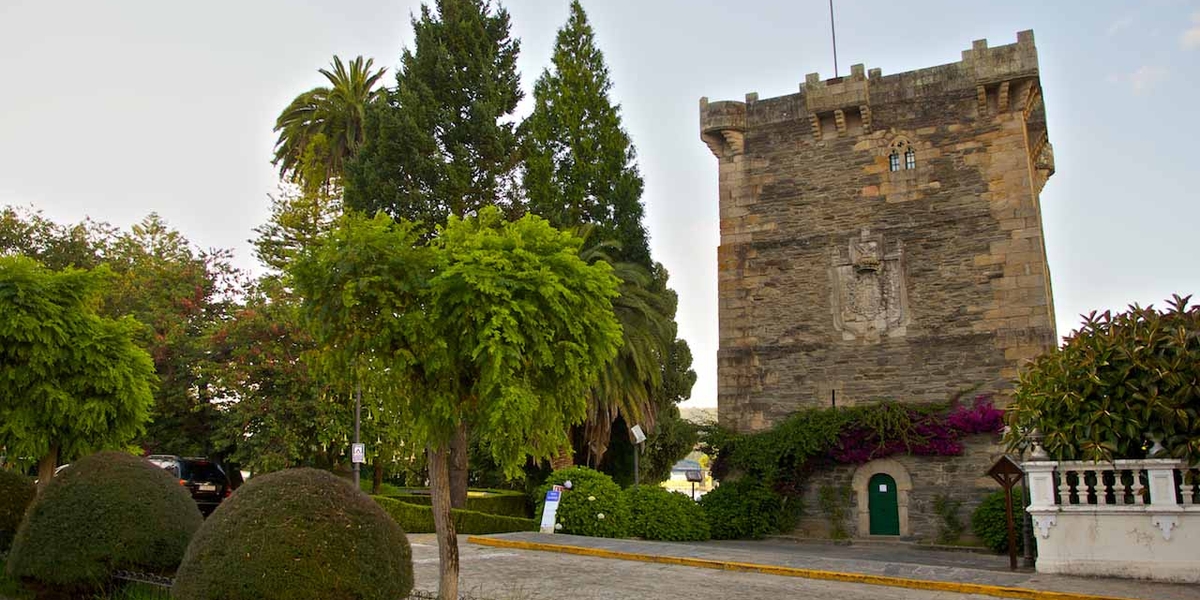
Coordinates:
442	143
579	162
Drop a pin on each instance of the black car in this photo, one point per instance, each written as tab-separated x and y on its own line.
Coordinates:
204	478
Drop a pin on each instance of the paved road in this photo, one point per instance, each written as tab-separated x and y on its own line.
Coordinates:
503	574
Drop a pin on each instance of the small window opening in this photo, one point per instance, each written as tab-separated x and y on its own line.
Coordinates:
910	159
894	161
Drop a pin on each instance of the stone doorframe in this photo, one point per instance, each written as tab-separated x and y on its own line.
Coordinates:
903	487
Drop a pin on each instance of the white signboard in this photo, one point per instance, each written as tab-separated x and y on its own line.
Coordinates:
550	511
358	453
638	435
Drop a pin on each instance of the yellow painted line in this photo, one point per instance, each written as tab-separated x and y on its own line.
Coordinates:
703	563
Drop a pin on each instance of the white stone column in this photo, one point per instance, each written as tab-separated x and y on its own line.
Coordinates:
1161	473
1041	484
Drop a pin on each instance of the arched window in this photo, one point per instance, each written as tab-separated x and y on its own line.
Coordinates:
902	156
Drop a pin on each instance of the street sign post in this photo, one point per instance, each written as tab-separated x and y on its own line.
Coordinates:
695	477
550	509
639	437
1008	473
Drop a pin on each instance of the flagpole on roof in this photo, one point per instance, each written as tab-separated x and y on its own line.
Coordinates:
833	32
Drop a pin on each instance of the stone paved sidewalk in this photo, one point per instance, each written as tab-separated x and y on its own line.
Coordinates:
890	560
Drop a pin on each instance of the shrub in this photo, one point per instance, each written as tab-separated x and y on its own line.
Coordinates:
110	511
1115	382
593	506
510	503
990	524
658	514
16	492
418	518
744	509
298	533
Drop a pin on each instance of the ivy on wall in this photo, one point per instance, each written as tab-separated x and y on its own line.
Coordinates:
784	455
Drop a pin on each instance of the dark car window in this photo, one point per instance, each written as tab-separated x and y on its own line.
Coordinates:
202	471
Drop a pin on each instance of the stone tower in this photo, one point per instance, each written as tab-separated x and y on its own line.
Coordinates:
881	236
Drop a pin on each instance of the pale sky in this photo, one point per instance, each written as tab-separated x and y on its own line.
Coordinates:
115	109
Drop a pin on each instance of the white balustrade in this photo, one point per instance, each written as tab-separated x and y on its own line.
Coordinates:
1125	518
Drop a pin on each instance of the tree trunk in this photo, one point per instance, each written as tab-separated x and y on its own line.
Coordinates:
443	524
564	459
458	467
46	467
377	478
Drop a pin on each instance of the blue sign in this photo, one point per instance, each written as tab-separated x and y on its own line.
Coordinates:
552	495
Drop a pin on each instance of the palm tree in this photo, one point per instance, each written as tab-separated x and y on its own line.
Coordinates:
336	112
627	384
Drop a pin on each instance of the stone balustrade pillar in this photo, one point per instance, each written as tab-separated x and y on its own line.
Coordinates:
1041	483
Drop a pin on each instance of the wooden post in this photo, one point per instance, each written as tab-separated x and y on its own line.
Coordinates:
1008	473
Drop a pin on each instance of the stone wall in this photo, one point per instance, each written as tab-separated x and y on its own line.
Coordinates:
959	478
844	280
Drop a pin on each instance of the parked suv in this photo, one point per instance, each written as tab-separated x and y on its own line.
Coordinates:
203	478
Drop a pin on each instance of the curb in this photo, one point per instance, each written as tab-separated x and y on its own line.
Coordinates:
917	584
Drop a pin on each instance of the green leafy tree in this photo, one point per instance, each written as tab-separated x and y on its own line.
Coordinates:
579	163
177	292
71	381
181	295
442	142
333	116
496	325
1117	382
277	411
56	246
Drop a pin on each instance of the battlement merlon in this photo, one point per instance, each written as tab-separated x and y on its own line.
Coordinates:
981	67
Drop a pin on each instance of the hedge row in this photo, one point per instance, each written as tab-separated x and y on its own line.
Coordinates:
417	518
508	503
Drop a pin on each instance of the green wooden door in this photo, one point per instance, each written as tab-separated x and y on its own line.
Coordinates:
883	504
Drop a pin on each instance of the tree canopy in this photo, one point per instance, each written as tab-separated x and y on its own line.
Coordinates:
579	162
327	120
71	381
443	142
494	325
1118	382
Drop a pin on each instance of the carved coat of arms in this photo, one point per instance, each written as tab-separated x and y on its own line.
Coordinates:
870	298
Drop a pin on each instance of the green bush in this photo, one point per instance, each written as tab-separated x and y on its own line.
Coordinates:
1116	381
745	509
658	514
418	518
298	533
16	492
990	523
594	505
109	511
510	503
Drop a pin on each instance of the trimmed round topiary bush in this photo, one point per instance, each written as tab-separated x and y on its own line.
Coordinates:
299	533
110	511
659	514
743	509
989	523
16	492
594	505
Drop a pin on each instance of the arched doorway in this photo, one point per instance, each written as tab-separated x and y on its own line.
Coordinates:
890	503
883	505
